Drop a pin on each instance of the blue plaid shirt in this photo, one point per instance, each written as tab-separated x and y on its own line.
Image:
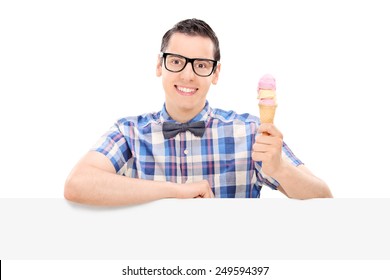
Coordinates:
137	149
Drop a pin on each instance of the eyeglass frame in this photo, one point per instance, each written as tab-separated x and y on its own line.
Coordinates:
191	60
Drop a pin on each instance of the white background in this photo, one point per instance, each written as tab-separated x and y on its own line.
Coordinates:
69	69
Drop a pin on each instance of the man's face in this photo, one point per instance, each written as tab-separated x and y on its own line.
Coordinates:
185	92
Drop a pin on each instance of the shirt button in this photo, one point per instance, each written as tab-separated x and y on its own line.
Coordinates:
186	152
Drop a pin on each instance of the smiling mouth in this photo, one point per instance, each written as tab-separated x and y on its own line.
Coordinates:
185	91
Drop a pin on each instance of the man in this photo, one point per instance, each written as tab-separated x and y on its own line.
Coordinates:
188	149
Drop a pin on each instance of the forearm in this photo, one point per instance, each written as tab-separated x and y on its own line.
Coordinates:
299	182
99	187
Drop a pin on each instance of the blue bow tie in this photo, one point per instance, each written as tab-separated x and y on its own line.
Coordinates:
172	129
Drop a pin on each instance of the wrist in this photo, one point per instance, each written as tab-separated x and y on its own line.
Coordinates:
281	171
173	190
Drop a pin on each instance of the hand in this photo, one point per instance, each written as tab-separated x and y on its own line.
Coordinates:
199	189
268	148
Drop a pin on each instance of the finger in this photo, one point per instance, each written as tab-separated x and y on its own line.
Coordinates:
274	148
208	193
211	193
261	147
269	128
264	139
258	156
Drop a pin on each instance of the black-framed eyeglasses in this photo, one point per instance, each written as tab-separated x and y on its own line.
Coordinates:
176	63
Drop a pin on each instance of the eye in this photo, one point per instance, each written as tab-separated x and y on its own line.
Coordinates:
175	60
203	64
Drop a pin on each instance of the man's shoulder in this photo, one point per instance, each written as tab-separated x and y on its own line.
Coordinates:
228	116
140	120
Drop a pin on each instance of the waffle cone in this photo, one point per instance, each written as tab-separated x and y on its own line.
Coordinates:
267	113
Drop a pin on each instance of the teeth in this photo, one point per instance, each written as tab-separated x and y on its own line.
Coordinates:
186	89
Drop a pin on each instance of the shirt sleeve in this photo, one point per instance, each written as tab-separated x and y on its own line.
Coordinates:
269	181
114	146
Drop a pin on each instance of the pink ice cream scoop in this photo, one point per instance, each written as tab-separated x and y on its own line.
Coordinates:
267	101
267	82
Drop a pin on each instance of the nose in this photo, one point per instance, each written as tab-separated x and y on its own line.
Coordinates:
187	73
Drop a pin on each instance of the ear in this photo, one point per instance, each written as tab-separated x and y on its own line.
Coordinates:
159	66
216	74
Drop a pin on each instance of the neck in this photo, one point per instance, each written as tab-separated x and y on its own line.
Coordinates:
182	116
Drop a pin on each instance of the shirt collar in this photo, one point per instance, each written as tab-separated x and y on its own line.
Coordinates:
202	116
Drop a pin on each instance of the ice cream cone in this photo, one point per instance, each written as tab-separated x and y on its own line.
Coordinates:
267	113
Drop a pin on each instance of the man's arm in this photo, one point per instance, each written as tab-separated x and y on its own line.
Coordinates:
299	182
94	181
295	182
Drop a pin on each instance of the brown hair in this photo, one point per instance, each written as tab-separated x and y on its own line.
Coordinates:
192	27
